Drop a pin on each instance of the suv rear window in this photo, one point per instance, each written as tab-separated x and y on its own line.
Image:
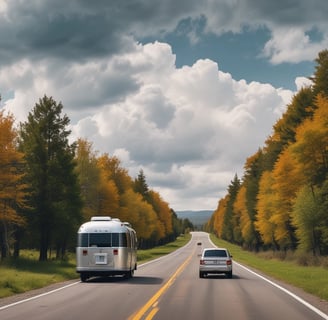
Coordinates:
215	253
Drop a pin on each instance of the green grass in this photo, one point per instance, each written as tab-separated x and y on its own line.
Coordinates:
27	273
312	279
150	254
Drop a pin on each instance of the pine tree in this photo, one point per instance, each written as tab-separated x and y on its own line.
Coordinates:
320	79
227	228
49	157
141	186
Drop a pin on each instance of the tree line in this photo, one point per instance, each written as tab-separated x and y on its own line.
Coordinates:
281	202
48	187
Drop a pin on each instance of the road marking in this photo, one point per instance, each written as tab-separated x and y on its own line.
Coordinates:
38	296
72	284
299	299
151	305
152	313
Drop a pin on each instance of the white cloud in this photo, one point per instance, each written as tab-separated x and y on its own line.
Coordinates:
190	129
302	82
3	6
292	45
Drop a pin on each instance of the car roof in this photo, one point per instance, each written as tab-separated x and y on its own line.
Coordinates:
205	249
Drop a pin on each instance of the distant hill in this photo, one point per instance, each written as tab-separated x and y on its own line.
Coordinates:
197	218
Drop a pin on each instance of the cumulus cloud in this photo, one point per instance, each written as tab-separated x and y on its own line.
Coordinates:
292	45
186	126
302	82
189	128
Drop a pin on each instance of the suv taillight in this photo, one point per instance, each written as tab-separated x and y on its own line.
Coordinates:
201	261
229	262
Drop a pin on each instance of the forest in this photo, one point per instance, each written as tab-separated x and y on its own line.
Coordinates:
48	187
281	201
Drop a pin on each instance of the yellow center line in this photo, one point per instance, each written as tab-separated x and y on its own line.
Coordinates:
152	302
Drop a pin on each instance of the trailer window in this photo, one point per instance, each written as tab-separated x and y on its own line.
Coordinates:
102	240
82	240
119	240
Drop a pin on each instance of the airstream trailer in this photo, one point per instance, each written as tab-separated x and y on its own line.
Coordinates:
106	247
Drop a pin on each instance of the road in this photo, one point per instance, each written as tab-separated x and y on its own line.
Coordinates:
167	288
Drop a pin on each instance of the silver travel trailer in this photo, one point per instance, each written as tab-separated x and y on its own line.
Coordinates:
106	247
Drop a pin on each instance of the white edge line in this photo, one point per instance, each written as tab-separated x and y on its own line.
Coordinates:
166	255
296	297
73	284
38	296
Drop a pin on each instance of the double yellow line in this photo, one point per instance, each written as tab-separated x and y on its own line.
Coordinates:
151	306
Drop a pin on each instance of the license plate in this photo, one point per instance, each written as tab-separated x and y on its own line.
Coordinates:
215	262
101	258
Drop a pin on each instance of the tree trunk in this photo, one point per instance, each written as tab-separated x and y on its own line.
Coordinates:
4	241
44	244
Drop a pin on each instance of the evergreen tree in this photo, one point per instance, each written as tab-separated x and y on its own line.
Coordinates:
50	164
254	169
320	79
298	110
141	186
228	227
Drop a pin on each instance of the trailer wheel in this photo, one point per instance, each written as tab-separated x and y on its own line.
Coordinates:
83	277
129	274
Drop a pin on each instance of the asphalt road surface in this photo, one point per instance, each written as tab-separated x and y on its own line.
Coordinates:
167	288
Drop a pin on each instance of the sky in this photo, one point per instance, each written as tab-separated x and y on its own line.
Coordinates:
184	90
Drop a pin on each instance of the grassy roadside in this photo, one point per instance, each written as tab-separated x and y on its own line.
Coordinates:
27	273
311	279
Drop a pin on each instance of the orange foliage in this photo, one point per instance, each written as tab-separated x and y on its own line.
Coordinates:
219	216
12	190
265	209
240	210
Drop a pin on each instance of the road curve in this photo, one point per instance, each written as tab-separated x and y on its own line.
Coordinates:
167	288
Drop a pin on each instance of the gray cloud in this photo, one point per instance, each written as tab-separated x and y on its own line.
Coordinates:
79	29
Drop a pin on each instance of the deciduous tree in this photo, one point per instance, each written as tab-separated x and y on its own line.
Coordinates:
266	205
89	177
308	218
311	146
286	182
12	188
